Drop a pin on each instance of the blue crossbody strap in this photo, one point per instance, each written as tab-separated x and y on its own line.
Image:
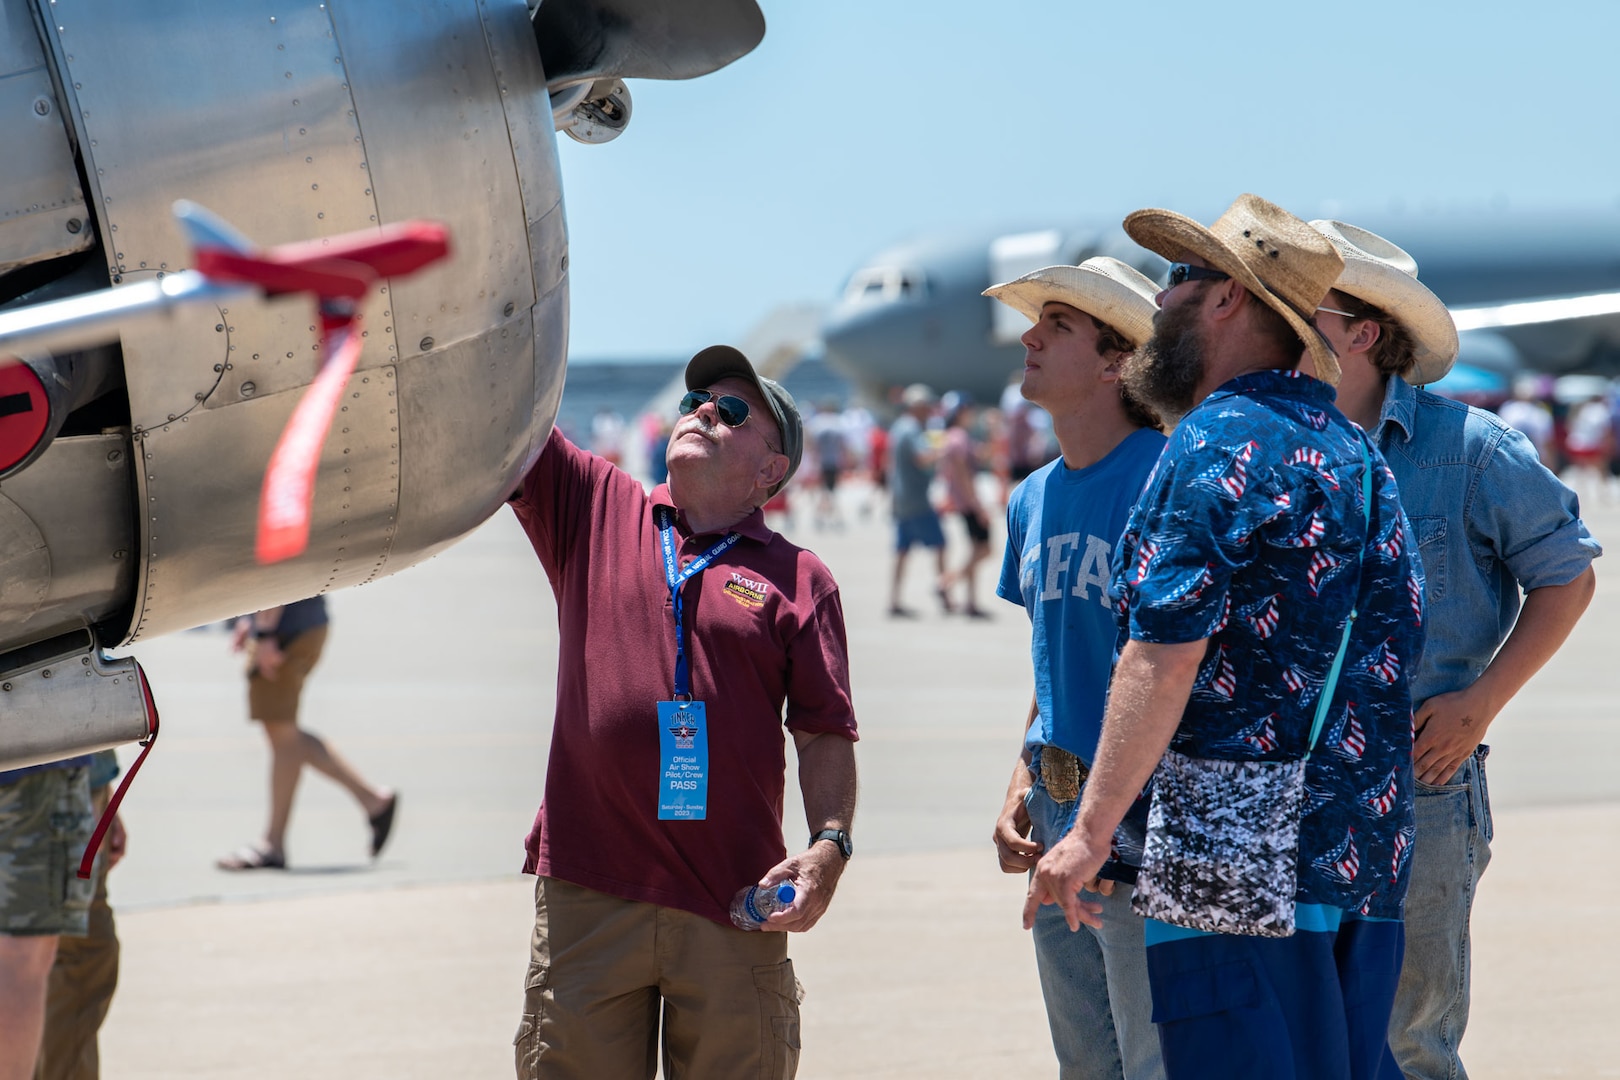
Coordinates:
1332	683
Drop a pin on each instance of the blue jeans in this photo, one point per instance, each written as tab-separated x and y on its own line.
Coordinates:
1095	982
1450	852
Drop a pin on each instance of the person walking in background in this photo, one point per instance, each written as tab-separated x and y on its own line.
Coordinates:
1527	413
1587	444
959	468
1063	524
286	642
656	431
1017	415
912	459
829	440
1491	520
877	467
607	435
85	972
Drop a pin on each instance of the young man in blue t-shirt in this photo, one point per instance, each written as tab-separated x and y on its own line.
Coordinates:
1062	525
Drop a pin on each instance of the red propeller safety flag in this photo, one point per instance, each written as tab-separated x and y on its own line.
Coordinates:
339	271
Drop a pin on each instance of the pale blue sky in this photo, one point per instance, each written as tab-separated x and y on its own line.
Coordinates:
859	122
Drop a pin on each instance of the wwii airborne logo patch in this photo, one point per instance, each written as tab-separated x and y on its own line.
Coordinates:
746	591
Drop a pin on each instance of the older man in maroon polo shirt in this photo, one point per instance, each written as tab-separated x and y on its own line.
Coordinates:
691	635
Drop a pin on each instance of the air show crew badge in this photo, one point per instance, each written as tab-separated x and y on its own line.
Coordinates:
683	739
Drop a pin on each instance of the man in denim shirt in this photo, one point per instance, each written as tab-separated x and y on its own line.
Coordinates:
1251	567
1490	521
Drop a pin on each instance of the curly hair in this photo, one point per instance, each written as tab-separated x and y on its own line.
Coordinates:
1137	411
1394	353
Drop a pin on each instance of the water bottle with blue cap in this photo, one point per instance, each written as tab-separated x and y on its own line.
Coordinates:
751	906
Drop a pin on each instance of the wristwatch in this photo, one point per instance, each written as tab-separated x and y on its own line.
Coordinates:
840	839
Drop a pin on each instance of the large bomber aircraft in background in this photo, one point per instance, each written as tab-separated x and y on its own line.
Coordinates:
1531	292
131	461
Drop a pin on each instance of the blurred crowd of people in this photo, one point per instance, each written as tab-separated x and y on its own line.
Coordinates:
955	461
1574	424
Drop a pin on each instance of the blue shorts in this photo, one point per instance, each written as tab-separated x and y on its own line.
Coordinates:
920	529
1314	1006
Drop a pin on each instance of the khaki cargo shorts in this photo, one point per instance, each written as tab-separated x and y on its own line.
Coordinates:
46	819
276	699
603	971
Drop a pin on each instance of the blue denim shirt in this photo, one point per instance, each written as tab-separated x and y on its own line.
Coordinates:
1490	520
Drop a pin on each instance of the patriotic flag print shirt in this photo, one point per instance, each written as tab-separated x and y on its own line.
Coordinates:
1251	534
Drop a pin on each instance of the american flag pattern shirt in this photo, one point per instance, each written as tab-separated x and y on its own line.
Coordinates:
1251	535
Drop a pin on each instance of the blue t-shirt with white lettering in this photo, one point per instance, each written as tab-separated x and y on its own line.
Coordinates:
1062	527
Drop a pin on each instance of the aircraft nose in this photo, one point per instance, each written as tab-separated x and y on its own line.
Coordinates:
852	327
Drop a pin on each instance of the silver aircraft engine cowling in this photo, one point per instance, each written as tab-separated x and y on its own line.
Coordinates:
134	515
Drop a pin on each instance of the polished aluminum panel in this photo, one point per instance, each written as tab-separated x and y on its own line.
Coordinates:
529	124
550	350
42	211
70	705
67	545
298	123
245	109
198	478
25	570
438	146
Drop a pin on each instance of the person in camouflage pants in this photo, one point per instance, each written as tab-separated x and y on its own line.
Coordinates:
46	818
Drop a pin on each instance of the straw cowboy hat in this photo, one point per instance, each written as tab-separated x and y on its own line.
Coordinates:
1104	288
1377	272
1281	260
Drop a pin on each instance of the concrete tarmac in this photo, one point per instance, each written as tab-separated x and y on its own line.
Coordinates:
440	680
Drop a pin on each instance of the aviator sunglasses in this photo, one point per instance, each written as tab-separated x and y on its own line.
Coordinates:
1181	273
733	411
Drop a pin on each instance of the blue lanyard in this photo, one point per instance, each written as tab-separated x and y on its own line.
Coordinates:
676	578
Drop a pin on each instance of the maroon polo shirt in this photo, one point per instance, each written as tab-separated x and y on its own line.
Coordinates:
764	631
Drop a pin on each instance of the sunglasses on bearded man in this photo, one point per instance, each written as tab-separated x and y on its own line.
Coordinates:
1181	273
732	411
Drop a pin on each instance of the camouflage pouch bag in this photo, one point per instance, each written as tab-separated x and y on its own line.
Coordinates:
1222	845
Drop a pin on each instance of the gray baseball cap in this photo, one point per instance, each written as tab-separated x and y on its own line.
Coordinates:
721	361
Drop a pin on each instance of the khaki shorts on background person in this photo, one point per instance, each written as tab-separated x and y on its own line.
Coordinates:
598	965
46	819
276	699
